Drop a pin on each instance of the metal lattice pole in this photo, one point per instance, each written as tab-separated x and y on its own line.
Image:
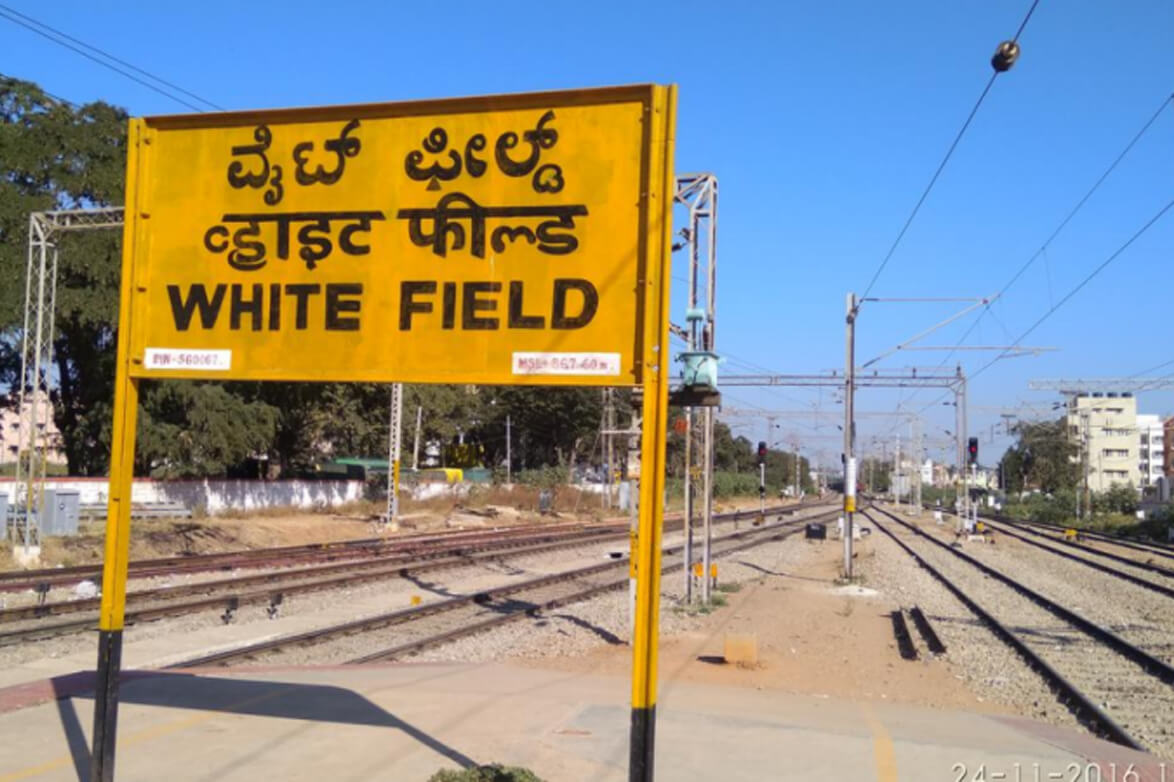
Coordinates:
393	460
35	409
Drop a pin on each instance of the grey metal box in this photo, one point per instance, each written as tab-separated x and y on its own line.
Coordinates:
59	515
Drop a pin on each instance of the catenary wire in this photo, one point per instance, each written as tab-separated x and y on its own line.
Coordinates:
1054	234
942	166
36	27
1079	286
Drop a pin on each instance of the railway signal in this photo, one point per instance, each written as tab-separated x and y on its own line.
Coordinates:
972	450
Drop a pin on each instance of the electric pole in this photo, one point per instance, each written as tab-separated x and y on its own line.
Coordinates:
897	472
397	408
707	506
849	431
688	505
509	457
416	444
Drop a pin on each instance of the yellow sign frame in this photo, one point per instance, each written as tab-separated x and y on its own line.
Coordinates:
219	271
651	372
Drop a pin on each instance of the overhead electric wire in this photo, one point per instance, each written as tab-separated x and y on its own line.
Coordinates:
1055	233
942	166
69	42
1079	286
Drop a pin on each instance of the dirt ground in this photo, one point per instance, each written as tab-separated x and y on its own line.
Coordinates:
815	637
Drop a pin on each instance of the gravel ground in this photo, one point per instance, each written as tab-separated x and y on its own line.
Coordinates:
1141	616
391	593
579	628
569	630
973	652
1137	572
1137	701
1057	536
378	596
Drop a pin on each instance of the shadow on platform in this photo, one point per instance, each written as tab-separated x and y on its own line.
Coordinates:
286	700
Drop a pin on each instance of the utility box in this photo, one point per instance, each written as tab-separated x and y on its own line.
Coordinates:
817	531
60	513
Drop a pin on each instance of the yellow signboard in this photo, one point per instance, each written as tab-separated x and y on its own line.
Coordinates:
490	240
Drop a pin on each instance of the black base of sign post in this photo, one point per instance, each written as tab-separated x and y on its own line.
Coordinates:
642	744
106	705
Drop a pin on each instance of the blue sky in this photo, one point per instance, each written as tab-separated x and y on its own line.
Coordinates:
823	122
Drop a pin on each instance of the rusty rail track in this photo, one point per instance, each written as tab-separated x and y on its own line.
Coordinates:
516	609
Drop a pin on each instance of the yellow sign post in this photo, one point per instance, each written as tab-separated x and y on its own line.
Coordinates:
519	239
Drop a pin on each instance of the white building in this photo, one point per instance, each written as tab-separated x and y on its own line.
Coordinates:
1151	448
1104	427
927	472
14	433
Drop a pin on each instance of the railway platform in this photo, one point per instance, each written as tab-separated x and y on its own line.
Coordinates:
405	721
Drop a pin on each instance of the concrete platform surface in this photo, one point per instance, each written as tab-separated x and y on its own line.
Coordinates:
406	721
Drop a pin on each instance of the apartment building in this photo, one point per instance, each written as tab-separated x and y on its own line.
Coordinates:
13	432
1168	446
1104	426
1151	448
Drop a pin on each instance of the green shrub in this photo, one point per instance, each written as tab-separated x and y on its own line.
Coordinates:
542	477
490	773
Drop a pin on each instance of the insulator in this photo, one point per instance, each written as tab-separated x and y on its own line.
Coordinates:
1005	56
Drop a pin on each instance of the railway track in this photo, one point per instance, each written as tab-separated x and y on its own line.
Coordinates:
1152	549
1157	579
283	556
273	587
1117	689
229	595
443	621
347	550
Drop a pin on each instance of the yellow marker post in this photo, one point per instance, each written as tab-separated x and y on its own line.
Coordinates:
122	455
508	240
660	127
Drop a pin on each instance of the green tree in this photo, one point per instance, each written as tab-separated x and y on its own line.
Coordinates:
192	430
62	157
58	156
1043	457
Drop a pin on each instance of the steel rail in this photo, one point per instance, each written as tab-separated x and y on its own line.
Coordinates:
19	580
1029	527
232	601
1149	547
410	614
16	580
412	647
391	564
1084	709
1141	582
1153	665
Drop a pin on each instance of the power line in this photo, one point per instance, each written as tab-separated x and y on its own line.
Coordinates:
949	153
1079	286
1055	233
64	39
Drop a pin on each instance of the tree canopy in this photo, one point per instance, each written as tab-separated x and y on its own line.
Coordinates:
1041	458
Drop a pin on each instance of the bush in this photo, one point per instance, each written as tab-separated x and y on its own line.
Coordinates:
491	773
1118	499
542	477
